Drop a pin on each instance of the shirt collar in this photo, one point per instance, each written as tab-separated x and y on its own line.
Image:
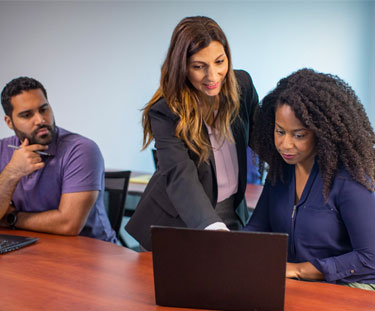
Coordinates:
310	182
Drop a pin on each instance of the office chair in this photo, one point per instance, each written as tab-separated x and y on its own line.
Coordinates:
116	185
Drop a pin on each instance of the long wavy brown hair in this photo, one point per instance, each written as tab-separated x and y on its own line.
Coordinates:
330	108
190	36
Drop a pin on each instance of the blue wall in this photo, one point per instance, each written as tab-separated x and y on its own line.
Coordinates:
100	61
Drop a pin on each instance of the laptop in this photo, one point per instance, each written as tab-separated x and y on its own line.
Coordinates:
219	270
12	242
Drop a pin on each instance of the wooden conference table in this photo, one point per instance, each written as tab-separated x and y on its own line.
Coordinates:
78	273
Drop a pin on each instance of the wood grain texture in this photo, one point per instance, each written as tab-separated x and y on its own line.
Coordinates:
79	273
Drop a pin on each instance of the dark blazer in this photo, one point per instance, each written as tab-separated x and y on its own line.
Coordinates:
181	193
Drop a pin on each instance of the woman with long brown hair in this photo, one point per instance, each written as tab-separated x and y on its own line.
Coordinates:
201	119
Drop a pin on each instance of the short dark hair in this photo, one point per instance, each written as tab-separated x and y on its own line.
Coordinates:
16	87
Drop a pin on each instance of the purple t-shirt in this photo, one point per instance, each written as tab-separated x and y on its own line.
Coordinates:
76	165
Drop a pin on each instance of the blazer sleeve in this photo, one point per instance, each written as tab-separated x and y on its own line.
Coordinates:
179	172
249	101
357	208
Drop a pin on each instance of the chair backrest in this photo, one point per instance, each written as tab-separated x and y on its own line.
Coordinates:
116	184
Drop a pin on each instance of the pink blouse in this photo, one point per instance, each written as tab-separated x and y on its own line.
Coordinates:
226	162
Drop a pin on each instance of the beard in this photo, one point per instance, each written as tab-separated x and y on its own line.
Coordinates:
33	136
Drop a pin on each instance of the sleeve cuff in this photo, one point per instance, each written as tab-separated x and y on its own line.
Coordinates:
217	226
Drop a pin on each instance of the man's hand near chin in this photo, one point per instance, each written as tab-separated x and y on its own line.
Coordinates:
24	161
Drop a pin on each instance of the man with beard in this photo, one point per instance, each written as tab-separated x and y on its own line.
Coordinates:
51	180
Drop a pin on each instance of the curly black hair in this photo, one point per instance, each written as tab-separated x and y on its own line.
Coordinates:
16	87
329	107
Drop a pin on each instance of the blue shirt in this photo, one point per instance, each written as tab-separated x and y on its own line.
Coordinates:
337	237
76	165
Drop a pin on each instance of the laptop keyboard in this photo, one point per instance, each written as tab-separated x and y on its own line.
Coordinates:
7	246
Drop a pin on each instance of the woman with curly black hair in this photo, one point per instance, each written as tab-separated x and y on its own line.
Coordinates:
320	147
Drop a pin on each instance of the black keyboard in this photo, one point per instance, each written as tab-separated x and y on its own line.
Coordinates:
12	242
7	246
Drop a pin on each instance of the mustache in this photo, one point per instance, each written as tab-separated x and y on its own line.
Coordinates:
48	127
